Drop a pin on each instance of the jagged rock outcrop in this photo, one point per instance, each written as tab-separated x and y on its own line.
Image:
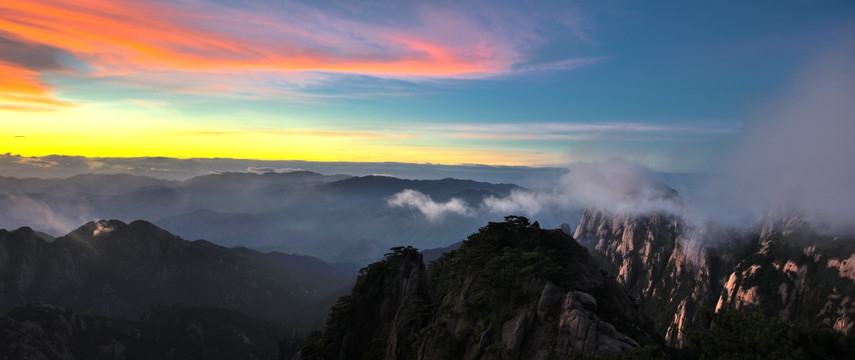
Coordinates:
382	317
581	332
797	275
115	269
42	331
511	291
645	254
672	269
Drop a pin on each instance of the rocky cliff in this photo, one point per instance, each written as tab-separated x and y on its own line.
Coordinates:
511	291
672	269
797	275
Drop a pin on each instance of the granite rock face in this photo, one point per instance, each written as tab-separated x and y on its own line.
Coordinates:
581	332
797	275
781	267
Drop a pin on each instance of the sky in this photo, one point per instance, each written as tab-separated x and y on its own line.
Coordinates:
663	84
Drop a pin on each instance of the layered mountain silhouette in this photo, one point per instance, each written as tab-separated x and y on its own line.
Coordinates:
114	269
634	286
511	290
339	219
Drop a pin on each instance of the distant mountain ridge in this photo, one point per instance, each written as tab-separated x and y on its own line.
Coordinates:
115	269
294	212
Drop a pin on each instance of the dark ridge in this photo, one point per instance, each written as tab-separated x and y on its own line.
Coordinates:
42	331
115	269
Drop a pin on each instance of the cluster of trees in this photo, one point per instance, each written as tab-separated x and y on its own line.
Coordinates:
749	334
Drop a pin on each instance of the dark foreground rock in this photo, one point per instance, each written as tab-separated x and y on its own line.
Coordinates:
511	291
41	331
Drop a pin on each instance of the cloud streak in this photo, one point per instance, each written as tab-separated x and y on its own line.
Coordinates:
576	130
268	169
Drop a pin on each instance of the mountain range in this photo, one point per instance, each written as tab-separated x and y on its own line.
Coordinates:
632	285
114	269
270	212
510	290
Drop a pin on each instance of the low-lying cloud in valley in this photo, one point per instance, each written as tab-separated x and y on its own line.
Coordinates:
616	186
432	210
268	169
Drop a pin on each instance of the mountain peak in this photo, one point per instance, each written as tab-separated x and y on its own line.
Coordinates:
511	290
96	228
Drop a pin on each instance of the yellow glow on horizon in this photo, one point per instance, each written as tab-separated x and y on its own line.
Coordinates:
109	133
259	147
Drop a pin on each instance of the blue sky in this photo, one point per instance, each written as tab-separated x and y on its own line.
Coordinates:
542	83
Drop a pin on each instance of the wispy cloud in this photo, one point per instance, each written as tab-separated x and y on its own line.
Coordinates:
269	169
37	162
432	210
564	64
572	130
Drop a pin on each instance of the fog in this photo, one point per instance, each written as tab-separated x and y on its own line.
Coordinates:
22	210
797	152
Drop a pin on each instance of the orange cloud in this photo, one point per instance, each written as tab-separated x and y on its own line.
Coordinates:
197	42
113	35
21	90
118	36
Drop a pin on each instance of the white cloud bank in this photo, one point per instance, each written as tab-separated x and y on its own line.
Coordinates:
615	185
